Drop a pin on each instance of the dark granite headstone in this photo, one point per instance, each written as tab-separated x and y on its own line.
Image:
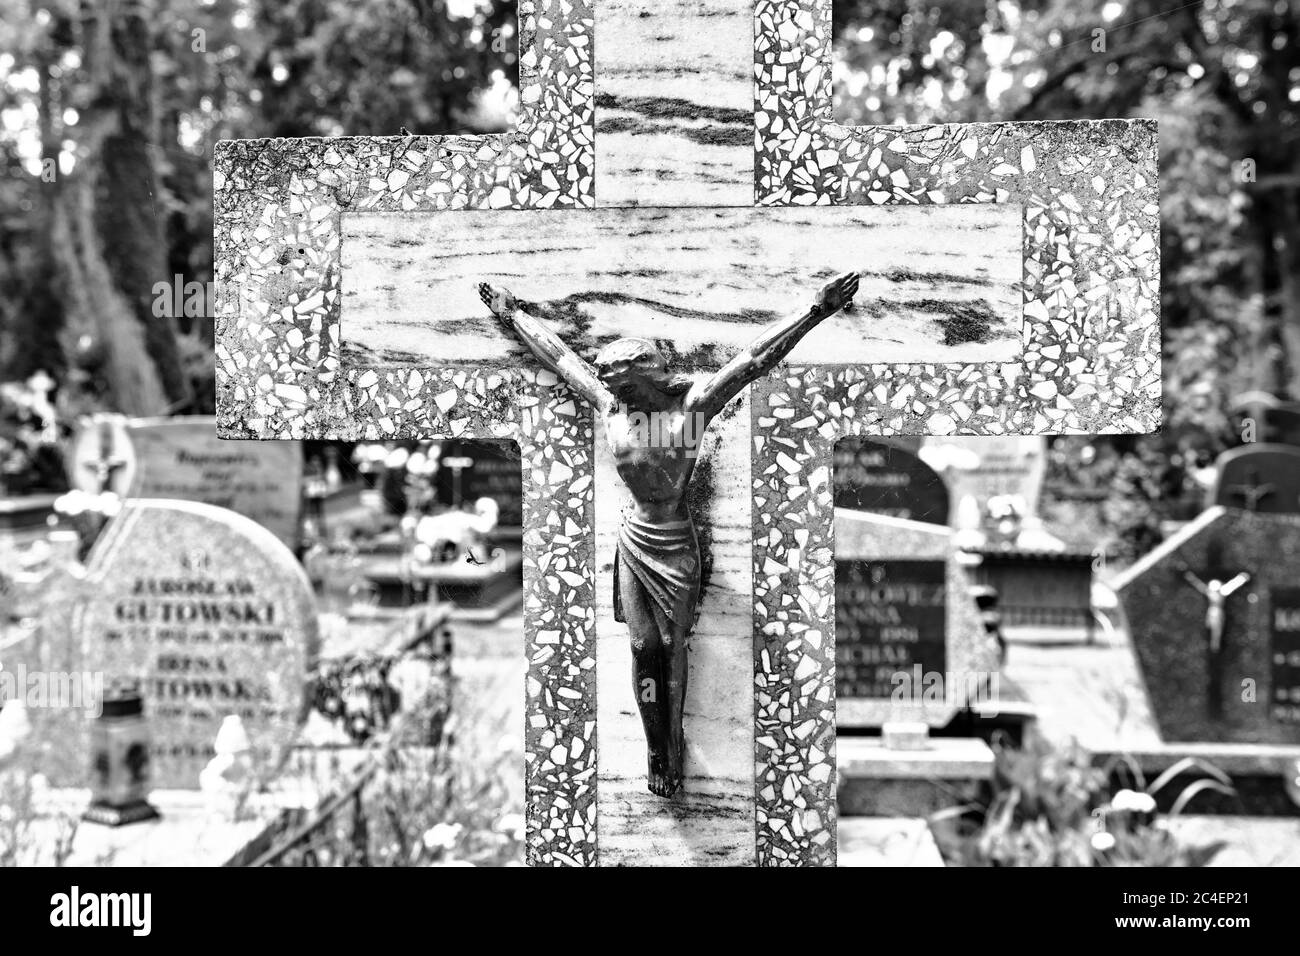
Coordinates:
1230	693
889	618
207	614
883	478
1284	424
1259	477
486	470
904	616
1284	649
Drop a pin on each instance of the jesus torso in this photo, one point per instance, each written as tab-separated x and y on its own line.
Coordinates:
654	453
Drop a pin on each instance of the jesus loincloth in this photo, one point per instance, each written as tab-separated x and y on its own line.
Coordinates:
665	560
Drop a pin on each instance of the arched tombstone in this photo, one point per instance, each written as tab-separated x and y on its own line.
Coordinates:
207	614
885	478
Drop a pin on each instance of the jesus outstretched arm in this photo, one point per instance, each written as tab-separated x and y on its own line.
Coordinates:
547	346
709	396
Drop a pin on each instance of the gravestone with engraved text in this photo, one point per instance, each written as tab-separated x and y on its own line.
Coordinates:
883	478
182	458
207	614
1240	686
909	643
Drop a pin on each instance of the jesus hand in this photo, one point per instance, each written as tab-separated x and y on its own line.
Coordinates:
836	294
500	301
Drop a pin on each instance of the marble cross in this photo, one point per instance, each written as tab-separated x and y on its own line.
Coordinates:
689	185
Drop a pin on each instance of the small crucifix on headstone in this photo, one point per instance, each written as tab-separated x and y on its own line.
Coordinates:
1216	592
1251	492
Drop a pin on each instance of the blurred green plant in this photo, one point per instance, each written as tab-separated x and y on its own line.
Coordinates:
30	834
454	804
1051	806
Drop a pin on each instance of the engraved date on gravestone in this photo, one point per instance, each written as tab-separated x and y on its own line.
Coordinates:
889	620
207	614
1284	652
197	625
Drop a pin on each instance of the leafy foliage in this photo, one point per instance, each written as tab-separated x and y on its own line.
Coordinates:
1052	807
110	114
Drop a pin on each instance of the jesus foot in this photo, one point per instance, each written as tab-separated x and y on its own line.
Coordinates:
661	782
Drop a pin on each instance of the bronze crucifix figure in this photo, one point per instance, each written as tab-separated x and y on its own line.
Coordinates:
1216	593
654	422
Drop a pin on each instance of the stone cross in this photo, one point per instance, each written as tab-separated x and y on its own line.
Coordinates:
106	462
683	189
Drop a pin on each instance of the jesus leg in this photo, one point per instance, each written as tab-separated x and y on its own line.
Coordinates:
676	665
648	679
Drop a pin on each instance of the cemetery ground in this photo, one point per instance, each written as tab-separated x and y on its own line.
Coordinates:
412	750
301	706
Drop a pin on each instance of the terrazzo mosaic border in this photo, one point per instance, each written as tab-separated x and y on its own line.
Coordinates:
1091	362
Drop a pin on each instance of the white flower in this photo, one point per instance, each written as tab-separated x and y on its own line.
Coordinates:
1127	801
1102	841
1144	803
73	502
1134	801
14	727
441	836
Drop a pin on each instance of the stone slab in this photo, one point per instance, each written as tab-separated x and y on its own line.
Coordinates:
704	282
887	841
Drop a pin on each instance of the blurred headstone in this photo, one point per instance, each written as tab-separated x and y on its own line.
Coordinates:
884	478
1259	477
910	643
208	615
991	466
485	470
182	458
1212	613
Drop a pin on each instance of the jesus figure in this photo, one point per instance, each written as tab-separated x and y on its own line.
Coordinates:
657	562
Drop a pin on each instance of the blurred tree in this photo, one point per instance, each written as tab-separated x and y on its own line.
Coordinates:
108	113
